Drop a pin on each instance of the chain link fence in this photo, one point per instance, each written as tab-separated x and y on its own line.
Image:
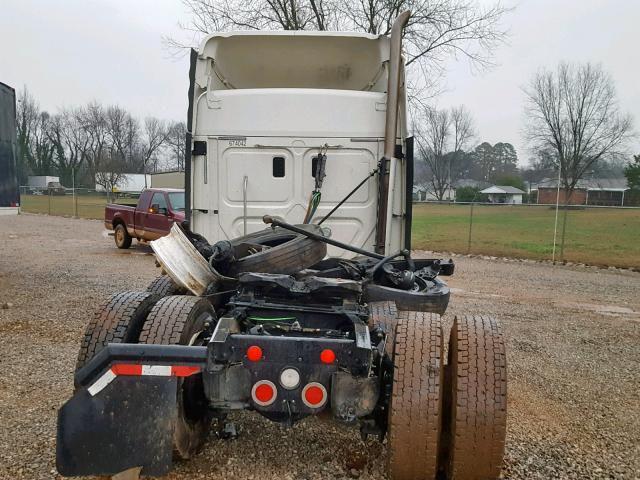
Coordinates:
603	236
79	202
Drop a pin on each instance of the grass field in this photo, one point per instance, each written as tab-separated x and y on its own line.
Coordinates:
88	206
596	236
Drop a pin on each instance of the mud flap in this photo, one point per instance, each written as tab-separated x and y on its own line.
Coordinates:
127	424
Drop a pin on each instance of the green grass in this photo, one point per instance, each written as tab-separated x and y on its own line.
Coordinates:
89	206
597	236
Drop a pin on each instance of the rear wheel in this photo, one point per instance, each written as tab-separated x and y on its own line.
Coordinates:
416	403
476	400
385	316
121	236
119	320
164	286
181	320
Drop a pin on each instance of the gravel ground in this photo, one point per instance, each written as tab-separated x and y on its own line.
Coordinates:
573	349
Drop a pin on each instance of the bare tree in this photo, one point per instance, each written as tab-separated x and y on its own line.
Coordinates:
437	29
93	119
573	112
35	152
176	144
156	135
123	132
109	173
70	142
442	137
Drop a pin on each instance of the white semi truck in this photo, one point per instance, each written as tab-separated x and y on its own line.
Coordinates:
267	104
294	320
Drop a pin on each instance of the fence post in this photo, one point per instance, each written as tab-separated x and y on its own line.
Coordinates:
49	192
470	228
564	229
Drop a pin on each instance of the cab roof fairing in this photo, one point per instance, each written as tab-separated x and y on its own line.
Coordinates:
293	59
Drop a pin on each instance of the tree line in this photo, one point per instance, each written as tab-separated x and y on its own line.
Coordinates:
93	144
574	126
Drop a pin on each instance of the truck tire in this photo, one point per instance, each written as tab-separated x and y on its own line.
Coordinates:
119	320
163	286
416	404
289	252
476	399
121	236
384	315
178	320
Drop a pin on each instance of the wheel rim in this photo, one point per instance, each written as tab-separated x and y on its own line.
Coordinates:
119	236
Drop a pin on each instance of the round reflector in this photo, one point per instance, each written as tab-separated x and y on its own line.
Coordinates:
264	393
327	356
254	353
314	395
290	378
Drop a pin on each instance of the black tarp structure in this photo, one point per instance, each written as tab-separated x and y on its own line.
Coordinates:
9	192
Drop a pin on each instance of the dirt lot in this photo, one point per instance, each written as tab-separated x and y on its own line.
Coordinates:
573	349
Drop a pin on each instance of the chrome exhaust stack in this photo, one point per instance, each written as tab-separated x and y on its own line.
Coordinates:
391	126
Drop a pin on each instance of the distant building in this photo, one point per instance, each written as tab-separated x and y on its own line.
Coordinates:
169	179
129	183
424	192
594	191
503	194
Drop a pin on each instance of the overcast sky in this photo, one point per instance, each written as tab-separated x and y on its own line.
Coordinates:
74	51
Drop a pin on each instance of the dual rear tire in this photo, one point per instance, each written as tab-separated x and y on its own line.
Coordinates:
447	420
149	318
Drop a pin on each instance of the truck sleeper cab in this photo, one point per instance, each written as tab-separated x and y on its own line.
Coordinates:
265	105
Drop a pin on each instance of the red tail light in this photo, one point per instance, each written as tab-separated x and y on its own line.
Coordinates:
254	353
327	356
314	395
264	393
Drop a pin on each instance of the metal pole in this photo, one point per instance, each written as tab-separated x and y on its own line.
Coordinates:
277	223
391	127
245	181
49	192
555	226
73	185
564	229
470	228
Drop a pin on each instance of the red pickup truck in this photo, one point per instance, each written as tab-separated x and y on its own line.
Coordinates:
152	218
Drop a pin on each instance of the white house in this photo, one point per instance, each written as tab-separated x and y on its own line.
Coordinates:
504	194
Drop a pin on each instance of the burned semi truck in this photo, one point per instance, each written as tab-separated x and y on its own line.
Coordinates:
290	289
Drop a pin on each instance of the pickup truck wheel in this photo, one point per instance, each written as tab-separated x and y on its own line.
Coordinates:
121	236
119	320
163	286
181	320
416	404
288	252
475	400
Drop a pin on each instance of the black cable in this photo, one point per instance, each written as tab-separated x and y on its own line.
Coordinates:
348	196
